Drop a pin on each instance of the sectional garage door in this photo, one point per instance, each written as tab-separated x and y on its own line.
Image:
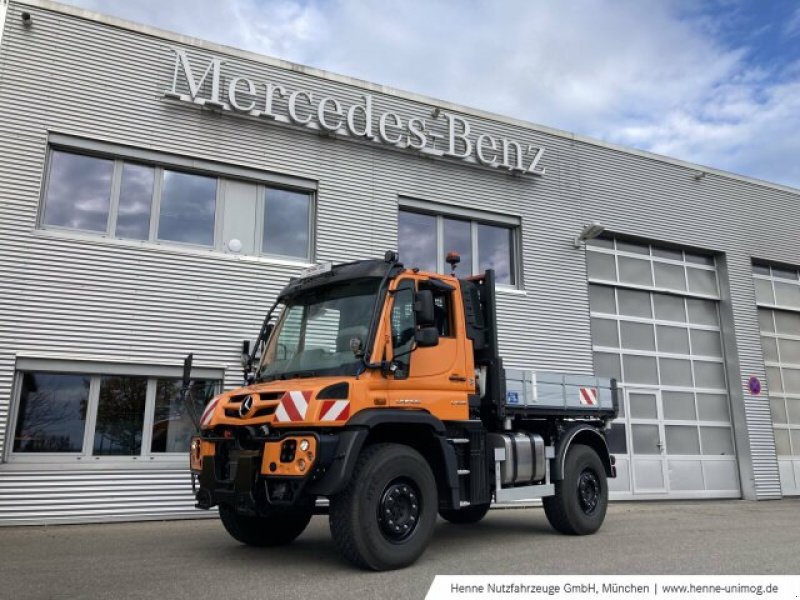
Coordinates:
778	297
655	327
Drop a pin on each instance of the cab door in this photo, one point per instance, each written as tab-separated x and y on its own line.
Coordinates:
432	377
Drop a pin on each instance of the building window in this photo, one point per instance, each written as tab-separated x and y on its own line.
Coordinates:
425	239
105	415
120	416
172	425
135	202
156	203
287	215
78	192
187	210
52	412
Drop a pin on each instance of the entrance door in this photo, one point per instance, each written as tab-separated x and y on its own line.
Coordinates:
648	455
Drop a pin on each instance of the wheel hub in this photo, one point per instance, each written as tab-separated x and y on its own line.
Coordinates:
399	510
588	491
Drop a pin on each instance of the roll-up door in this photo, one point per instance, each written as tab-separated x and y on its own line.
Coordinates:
778	298
656	328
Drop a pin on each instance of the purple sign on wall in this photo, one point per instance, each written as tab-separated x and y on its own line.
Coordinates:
754	383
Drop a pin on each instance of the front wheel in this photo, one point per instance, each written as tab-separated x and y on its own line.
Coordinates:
385	516
581	498
276	529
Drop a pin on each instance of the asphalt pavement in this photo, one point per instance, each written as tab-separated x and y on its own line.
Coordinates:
196	559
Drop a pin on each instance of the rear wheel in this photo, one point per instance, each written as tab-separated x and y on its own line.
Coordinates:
276	529
581	498
466	515
385	516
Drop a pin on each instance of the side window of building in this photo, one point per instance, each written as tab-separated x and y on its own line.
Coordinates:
124	199
425	239
105	415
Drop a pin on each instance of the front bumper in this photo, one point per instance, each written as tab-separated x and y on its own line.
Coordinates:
257	474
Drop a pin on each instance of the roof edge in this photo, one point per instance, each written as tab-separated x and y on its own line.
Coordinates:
388	90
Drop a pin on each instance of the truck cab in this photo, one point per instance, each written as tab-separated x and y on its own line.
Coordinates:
381	389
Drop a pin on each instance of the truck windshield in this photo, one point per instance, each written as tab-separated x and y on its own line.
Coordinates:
313	334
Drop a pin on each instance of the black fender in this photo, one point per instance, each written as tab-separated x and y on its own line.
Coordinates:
582	434
338	473
358	429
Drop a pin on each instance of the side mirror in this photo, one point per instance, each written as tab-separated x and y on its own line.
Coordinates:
423	308
426	337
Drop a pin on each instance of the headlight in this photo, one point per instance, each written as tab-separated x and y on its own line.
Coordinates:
304	445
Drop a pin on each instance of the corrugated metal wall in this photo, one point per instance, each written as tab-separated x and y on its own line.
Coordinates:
63	294
66	496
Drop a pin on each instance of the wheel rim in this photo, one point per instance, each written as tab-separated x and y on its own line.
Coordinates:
399	510
588	491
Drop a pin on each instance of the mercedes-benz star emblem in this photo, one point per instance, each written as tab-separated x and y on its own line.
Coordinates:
246	406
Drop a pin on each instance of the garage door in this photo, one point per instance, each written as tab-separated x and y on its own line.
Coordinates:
656	328
778	297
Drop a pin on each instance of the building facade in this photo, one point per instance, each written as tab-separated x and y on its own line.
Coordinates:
156	192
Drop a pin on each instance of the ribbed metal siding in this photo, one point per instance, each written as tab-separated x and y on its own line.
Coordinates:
89	297
69	496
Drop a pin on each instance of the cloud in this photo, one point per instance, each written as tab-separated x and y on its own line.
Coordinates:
660	76
792	26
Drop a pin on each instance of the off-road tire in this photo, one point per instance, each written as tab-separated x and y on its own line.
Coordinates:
361	514
277	529
466	515
581	498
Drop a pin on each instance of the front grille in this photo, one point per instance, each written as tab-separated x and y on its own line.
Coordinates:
267	410
261	412
263	396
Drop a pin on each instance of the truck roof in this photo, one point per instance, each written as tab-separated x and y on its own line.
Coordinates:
361	269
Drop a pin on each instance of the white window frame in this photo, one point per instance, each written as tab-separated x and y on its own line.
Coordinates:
95	371
160	162
474	217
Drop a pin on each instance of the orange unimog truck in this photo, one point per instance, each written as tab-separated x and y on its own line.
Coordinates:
381	389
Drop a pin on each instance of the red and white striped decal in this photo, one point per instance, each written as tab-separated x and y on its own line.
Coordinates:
589	396
208	412
293	407
334	410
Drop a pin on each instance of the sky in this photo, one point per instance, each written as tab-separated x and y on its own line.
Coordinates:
715	82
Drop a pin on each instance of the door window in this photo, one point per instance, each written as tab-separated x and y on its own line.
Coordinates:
403	326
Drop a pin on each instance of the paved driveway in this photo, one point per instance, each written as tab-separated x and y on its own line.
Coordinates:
196	558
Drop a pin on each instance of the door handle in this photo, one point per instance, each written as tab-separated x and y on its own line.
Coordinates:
455	377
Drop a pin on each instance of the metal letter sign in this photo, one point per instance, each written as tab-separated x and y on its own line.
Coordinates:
204	83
